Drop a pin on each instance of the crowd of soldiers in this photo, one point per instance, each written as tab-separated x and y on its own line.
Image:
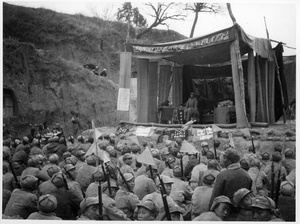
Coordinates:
50	176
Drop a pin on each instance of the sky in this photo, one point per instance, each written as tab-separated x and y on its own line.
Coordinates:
280	16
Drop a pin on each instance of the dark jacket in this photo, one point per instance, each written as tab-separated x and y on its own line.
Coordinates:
287	204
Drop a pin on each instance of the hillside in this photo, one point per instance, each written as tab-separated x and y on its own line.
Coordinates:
43	57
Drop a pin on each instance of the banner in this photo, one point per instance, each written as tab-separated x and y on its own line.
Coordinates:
202	134
143	131
123	99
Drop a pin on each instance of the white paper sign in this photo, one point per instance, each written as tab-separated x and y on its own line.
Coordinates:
204	134
143	131
123	99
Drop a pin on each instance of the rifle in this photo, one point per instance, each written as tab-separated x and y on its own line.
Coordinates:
100	202
181	166
215	150
65	181
107	177
252	144
272	181
14	174
278	186
164	198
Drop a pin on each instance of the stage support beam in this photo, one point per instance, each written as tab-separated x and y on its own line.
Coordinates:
152	91
142	90
237	73
251	86
177	86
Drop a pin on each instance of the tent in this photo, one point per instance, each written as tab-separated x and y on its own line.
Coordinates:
212	52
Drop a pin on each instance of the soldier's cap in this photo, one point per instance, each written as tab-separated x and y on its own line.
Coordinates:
218	200
239	195
28	181
33	161
47	203
112	135
128	176
209	179
254	162
263	202
212	163
177	171
53	158
90	160
66	155
35	142
203	159
166	179
288	153
127	156
277	148
71	160
135	148
168	142
204	144
80	153
173	207
150	205
113	184
265	156
68	167
276	156
53	170
58	179
210	155
232	155
43	140
164	151
170	159
25	139
244	164
287	188
85	203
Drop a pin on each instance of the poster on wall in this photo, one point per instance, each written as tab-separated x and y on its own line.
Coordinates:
123	99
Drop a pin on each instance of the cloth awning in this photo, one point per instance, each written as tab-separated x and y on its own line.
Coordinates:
213	48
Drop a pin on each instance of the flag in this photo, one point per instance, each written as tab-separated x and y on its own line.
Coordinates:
97	133
146	157
188	147
134	139
231	142
215	128
245	131
94	149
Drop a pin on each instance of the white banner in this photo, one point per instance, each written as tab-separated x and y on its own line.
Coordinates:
143	131
123	99
203	134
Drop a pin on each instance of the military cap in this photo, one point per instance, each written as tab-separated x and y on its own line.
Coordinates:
288	153
112	135
113	184
90	160
210	155
127	156
209	179
287	188
71	160
277	148
98	175
244	164
218	200
166	179
263	202
203	159
58	179
53	170
28	181
80	153
265	156
177	171
173	207
212	164
47	203
85	203
66	155
126	149
204	144
135	148
43	140
170	159
164	151
150	205
276	156
35	142
25	139
232	155
53	158
239	195
68	167
254	162
33	161
128	176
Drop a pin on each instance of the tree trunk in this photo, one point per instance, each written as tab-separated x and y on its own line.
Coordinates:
145	31
194	24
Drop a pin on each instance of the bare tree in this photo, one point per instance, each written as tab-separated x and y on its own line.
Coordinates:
108	12
161	13
202	7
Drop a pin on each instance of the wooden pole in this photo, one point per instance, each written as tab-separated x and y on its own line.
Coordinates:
251	86
260	106
238	78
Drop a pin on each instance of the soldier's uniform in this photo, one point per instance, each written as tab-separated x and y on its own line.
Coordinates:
42	176
47	204
265	160
47	187
276	157
73	185
22	201
212	168
286	201
67	201
289	163
179	185
201	167
201	196
244	212
144	185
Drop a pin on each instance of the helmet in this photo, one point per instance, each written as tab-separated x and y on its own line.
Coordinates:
58	179
239	195
287	188
219	200
53	158
33	162
53	170
68	167
47	203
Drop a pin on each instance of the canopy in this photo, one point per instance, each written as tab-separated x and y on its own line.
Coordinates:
213	48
